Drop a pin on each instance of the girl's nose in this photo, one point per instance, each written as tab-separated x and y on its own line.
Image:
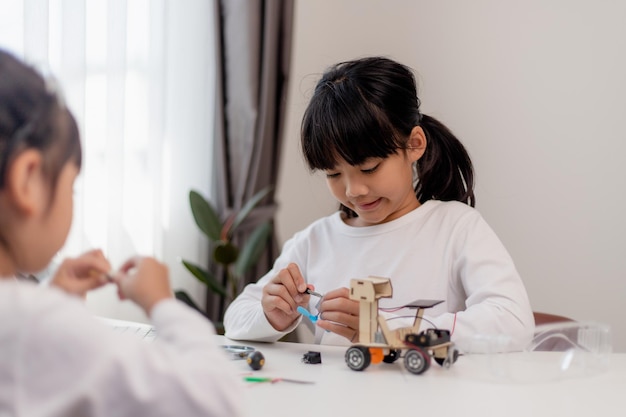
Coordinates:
355	188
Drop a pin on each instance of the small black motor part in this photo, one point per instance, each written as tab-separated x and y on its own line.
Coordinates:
312	357
256	360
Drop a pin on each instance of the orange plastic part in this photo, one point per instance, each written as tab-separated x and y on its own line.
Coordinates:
376	355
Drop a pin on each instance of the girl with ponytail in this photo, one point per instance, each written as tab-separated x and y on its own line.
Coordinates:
405	185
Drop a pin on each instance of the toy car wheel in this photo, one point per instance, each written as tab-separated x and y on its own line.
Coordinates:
392	356
454	356
416	362
451	358
358	358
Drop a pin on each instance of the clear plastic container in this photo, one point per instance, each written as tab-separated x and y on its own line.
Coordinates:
557	351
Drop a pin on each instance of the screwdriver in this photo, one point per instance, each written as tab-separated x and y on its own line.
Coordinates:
310	291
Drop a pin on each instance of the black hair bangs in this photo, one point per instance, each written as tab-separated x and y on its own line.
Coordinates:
341	123
74	150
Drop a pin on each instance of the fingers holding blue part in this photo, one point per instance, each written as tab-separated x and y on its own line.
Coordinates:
282	296
339	314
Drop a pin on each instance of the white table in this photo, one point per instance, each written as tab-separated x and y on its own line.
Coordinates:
467	388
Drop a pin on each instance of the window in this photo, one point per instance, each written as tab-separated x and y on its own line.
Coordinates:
138	76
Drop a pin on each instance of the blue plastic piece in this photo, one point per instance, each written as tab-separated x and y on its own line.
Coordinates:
306	313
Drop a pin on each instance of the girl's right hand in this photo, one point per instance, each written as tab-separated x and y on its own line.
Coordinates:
79	275
145	281
282	296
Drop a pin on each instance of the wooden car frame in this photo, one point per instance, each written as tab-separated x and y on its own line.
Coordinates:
377	343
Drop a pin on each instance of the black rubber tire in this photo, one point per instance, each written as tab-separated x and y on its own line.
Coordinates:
416	361
358	358
442	361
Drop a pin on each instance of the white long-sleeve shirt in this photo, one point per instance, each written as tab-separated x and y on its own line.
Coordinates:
57	360
441	250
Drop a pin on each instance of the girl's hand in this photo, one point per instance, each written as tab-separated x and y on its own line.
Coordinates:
339	314
79	275
145	281
282	296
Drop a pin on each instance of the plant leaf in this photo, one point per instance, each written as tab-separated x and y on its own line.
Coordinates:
185	298
247	208
205	216
206	277
253	248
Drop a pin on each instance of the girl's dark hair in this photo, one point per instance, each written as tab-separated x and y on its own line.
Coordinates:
32	116
367	108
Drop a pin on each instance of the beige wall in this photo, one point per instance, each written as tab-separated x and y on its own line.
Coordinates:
536	91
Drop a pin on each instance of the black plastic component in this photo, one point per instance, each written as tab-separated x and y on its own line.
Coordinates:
393	355
256	360
423	303
430	337
312	357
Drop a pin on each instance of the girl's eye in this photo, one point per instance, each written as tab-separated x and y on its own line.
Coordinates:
370	170
332	175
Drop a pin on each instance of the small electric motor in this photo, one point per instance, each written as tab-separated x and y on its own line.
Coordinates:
256	360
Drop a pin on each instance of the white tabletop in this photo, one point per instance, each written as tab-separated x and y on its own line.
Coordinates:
468	388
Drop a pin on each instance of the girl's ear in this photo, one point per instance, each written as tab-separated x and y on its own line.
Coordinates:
25	183
416	146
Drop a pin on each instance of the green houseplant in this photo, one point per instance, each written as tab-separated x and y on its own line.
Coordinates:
234	260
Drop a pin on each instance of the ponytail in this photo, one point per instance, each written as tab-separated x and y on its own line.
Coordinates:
445	170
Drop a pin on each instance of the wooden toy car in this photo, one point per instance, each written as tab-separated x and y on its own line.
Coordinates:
377	343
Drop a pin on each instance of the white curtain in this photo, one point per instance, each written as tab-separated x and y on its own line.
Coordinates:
139	77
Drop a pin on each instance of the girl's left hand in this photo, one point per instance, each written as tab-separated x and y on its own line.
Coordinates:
78	275
339	314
